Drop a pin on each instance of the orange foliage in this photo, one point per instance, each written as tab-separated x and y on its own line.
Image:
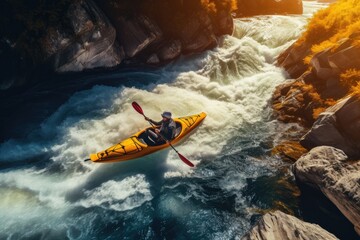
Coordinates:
329	25
350	78
356	90
212	6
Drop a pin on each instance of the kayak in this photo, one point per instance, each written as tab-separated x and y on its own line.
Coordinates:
140	144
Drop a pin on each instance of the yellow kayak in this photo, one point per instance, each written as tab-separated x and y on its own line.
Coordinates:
140	144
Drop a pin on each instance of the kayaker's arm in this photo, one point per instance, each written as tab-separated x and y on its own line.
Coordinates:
153	122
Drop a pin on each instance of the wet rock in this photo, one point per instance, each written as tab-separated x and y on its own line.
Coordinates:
90	43
278	225
328	169
266	7
338	126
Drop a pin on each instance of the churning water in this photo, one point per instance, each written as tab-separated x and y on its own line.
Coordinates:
50	193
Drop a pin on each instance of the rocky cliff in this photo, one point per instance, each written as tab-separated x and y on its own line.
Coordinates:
72	36
323	95
323	64
278	225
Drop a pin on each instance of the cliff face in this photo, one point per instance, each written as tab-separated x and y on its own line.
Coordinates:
91	43
86	34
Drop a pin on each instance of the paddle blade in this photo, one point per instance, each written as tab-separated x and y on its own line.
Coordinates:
137	107
185	160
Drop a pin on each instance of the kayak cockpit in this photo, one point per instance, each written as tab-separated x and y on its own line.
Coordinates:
147	139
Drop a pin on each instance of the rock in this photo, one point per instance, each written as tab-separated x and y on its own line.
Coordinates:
92	43
294	101
348	118
170	51
197	33
292	59
328	169
322	67
223	23
338	126
289	150
159	30
14	67
153	59
136	33
346	58
278	225
247	8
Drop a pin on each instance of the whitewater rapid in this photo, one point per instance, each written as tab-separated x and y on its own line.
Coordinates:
53	194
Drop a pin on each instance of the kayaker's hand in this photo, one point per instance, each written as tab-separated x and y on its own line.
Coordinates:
167	141
157	130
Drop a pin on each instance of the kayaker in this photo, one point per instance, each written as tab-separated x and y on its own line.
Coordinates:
166	128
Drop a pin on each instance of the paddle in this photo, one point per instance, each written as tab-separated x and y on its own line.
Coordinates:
137	108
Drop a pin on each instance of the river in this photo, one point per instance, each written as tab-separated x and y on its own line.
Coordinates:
48	192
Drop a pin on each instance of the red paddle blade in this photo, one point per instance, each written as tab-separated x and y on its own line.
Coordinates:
185	160
137	107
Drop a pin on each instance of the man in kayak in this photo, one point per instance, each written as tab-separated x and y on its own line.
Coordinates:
166	128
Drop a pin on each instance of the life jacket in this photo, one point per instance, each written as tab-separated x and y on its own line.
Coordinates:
168	129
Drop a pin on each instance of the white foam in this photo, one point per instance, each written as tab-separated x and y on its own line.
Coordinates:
122	195
231	83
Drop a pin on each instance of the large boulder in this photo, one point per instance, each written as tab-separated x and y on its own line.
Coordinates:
265	7
136	33
197	33
278	225
292	59
223	23
346	56
338	126
328	169
89	43
170	50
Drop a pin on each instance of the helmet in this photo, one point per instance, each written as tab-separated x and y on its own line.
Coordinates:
166	114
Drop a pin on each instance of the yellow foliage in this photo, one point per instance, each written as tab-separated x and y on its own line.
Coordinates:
212	6
350	78
329	25
356	90
317	111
